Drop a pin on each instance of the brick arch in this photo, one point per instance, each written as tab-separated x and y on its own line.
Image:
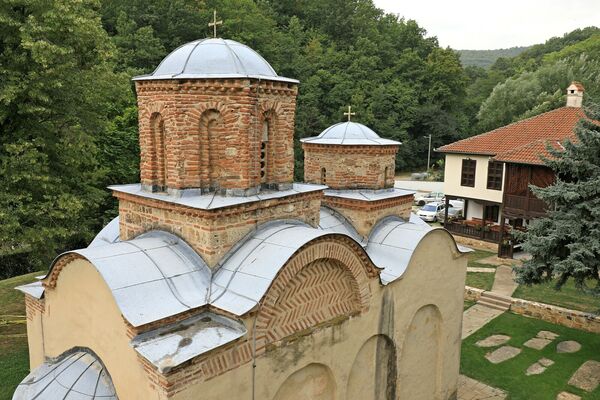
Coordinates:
278	143
301	295
151	150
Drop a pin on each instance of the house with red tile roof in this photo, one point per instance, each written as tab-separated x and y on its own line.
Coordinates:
492	172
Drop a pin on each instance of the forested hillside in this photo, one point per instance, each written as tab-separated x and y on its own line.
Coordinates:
485	58
68	114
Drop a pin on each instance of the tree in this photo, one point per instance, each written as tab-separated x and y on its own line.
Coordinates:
566	243
57	87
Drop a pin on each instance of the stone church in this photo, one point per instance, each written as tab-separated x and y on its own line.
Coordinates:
222	278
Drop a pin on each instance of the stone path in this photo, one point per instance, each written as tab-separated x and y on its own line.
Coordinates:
471	389
477	316
504	282
488	270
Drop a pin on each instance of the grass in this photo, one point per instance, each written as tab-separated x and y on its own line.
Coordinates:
14	359
510	375
569	296
467	304
480	280
477	255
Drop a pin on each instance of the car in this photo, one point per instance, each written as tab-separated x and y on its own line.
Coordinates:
429	212
453	213
428	198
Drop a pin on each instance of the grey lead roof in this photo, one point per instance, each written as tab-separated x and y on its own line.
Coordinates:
351	134
75	376
368	195
214	58
212	201
172	345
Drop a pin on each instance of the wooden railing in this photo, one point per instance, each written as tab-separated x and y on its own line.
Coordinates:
526	204
489	233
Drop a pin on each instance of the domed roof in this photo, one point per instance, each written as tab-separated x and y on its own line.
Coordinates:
350	133
214	58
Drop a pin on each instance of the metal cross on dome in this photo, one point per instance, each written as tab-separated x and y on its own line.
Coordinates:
215	23
349	113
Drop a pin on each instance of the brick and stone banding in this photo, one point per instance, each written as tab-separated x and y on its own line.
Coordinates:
350	167
213	131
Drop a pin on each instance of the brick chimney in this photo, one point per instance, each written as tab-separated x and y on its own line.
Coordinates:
575	94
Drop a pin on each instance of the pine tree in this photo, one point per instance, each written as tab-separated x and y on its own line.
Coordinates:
566	243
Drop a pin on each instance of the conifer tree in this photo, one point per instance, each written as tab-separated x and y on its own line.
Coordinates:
566	243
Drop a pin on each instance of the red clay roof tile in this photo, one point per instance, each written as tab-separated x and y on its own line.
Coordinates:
519	138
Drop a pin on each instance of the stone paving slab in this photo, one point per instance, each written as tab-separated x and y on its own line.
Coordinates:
537	343
471	389
567	396
502	354
495	260
493	341
547	335
481	269
587	377
568	346
477	316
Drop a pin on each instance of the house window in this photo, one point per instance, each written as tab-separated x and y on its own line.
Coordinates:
494	179
467	177
323	176
492	213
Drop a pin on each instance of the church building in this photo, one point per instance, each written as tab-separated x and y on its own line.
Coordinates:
222	278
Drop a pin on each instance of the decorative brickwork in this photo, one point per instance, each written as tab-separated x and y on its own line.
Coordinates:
299	288
350	167
207	133
364	215
50	281
33	306
212	232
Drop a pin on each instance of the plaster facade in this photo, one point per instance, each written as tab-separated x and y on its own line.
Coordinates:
381	341
452	178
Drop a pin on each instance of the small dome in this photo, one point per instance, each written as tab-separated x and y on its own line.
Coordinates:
214	58
350	133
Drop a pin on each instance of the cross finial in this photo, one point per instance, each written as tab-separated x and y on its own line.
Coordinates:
215	23
349	113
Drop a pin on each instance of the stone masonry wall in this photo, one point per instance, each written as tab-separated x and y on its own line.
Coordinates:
213	130
212	233
350	167
365	214
557	315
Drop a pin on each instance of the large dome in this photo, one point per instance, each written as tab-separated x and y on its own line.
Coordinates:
214	58
350	133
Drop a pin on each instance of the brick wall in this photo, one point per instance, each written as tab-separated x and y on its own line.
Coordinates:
207	133
350	167
212	233
364	215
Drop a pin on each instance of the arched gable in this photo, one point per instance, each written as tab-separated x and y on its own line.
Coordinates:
326	278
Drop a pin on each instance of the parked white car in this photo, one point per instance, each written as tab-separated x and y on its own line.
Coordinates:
429	198
429	212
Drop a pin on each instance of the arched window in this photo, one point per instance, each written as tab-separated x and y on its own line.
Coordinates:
386	176
264	152
323	176
159	153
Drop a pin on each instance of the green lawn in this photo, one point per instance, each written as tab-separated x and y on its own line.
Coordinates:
510	375
477	255
467	304
568	296
481	280
14	360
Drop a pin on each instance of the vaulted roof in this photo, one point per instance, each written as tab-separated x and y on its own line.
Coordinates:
523	141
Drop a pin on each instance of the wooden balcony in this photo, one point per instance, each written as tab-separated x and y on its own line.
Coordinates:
523	206
475	229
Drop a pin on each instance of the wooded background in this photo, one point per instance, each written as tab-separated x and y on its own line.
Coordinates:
68	115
